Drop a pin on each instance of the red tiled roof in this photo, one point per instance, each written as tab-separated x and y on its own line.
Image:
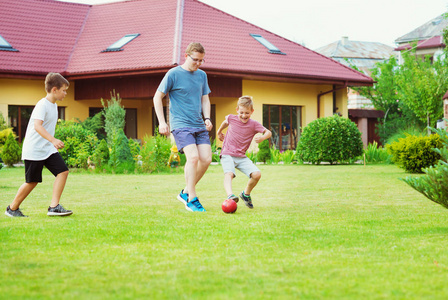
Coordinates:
69	38
44	32
434	42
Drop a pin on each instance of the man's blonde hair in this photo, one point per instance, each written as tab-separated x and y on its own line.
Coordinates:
55	80
195	47
246	101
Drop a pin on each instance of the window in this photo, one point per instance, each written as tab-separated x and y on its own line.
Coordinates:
285	124
19	116
121	42
267	44
5	46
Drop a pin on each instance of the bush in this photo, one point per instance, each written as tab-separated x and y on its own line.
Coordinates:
330	139
4	135
415	153
80	143
11	153
120	152
114	117
377	155
101	155
287	157
95	124
264	152
155	154
434	184
134	146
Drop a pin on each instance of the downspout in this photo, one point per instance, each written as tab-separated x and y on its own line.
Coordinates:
324	93
178	32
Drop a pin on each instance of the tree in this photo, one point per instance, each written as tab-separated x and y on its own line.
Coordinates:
421	85
384	97
114	117
11	151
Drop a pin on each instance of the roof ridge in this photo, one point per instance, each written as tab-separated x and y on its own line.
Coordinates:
77	38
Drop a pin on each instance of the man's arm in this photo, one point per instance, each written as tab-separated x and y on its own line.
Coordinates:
58	144
158	107
206	111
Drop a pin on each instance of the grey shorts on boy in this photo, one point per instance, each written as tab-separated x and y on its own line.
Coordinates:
244	164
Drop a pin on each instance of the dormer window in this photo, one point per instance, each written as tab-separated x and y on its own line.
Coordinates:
5	46
117	46
267	44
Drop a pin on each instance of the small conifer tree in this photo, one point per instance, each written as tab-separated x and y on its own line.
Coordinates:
11	153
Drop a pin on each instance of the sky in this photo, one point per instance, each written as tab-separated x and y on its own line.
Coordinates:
316	23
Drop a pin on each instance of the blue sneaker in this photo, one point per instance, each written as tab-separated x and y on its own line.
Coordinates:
183	197
194	205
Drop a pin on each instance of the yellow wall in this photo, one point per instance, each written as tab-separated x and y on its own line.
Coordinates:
28	92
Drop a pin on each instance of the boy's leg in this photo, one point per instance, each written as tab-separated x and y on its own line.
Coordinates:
254	178
58	188
228	177
23	192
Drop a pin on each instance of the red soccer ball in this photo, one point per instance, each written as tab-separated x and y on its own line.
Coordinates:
229	206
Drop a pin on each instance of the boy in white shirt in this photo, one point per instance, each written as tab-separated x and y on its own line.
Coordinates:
40	148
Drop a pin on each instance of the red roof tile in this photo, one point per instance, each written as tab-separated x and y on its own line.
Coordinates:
66	37
43	31
434	42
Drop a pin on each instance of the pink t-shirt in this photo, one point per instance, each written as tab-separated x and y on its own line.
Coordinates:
239	136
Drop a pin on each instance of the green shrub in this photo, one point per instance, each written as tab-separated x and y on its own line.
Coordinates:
11	153
134	146
252	156
377	155
120	152
79	142
155	154
215	152
331	139
95	124
434	184
275	155
114	117
287	156
3	124
264	152
415	153
101	155
4	135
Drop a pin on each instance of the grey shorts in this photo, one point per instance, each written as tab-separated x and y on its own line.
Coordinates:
244	164
187	136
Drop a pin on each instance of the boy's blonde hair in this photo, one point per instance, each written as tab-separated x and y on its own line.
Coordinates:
246	101
55	80
195	47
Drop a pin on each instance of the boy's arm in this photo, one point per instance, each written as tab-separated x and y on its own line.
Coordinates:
266	134
58	144
223	126
158	107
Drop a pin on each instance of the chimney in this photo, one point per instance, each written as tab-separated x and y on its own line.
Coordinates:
344	40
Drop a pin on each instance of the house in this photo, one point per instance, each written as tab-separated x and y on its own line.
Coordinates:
363	55
427	39
127	47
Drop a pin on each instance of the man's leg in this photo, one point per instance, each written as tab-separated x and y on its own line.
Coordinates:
58	188
23	192
199	158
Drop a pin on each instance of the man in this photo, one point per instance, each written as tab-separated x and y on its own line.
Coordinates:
188	91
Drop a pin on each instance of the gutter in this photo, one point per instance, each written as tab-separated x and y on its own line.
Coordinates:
327	92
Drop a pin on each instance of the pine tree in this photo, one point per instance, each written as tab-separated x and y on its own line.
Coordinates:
11	153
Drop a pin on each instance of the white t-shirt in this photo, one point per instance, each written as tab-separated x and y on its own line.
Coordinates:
35	147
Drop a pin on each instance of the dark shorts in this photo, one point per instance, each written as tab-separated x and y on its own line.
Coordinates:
33	168
188	136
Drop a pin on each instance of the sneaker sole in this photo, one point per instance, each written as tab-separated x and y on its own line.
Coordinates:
181	199
52	214
236	199
11	216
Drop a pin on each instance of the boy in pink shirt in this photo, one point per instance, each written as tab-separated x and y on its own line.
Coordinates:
242	130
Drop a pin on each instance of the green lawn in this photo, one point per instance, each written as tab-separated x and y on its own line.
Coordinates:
316	232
